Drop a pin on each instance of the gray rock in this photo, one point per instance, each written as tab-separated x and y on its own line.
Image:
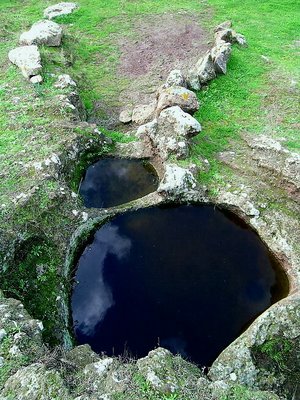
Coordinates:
36	79
43	32
175	122
203	72
177	181
2	334
239	39
236	363
126	116
59	9
143	113
177	96
28	59
64	81
71	103
220	54
165	372
175	78
81	356
223	25
170	132
224	34
35	383
230	36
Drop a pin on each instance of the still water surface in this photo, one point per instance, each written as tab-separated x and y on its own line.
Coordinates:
111	182
188	278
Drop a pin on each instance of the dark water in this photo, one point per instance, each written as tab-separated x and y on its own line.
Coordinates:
111	182
188	278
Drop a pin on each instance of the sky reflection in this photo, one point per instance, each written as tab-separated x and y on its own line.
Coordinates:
93	297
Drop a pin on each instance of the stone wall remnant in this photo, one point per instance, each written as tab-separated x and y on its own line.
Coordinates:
43	32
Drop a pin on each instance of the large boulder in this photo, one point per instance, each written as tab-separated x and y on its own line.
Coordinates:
177	181
170	132
28	59
165	373
220	55
177	96
175	122
59	9
175	78
143	113
43	32
202	72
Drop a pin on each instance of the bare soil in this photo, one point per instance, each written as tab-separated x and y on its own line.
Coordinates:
157	45
162	42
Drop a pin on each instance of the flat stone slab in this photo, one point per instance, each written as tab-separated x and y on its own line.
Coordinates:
59	9
28	59
43	32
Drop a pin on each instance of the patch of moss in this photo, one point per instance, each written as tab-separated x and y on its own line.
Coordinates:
280	357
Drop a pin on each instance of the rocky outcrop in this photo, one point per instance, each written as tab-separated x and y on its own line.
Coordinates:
28	59
170	132
43	32
35	382
176	182
239	363
57	10
175	78
177	96
203	72
143	113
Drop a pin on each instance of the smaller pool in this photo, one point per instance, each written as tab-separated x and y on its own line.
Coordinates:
111	182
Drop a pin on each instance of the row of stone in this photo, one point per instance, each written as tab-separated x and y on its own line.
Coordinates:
45	32
167	121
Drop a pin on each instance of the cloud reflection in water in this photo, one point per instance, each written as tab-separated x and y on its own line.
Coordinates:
93	298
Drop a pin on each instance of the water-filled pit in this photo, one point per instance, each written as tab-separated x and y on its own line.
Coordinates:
111	182
187	278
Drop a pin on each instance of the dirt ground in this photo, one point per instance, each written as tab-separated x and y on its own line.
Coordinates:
162	43
158	44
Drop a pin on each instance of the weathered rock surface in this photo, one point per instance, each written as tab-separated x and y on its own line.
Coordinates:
170	132
64	81
35	382
203	72
43	32
177	181
59	9
175	78
28	59
175	122
223	32
237	363
177	96
220	54
126	116
143	113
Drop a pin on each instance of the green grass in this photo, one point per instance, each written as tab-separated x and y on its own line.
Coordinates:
242	100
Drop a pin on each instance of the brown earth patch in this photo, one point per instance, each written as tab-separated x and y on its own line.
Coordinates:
162	42
157	44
